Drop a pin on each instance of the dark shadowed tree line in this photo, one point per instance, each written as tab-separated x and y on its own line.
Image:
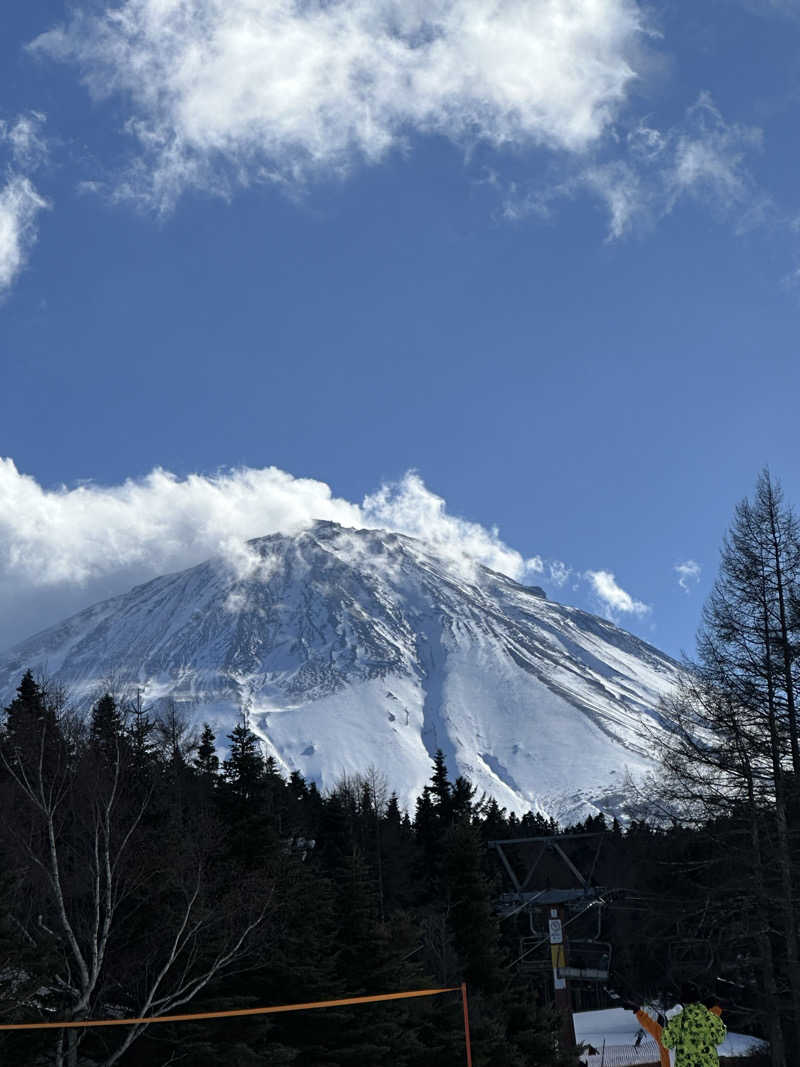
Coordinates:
142	874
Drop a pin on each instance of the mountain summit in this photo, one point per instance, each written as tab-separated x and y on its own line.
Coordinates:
349	649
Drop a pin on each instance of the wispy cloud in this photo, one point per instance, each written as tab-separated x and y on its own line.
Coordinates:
619	186
612	597
24	149
64	548
704	158
688	574
708	161
234	93
25	140
790	8
410	507
558	572
19	206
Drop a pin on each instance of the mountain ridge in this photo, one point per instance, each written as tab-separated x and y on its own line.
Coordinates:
353	648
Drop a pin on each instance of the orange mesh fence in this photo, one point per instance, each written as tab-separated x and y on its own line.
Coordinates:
232	1014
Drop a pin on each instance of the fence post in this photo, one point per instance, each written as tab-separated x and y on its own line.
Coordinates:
466	1023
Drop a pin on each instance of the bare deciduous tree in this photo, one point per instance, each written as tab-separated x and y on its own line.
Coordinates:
78	828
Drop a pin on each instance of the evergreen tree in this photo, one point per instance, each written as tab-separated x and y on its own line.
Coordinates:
34	745
297	786
440	788
244	769
494	825
471	908
275	796
393	816
462	799
397	846
207	761
140	732
106	733
250	800
428	839
27	707
31	726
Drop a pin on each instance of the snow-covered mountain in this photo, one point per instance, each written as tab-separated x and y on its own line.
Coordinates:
357	648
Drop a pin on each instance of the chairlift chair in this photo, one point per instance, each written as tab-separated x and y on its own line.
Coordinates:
588	961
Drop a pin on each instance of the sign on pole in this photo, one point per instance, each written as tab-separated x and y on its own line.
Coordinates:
558	956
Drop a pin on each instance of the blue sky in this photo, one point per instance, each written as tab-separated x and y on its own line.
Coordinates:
546	254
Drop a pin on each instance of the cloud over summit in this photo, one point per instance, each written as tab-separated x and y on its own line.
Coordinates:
65	548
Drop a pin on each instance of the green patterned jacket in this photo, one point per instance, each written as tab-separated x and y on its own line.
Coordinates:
694	1034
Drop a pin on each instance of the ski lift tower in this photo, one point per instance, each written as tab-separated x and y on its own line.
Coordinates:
585	960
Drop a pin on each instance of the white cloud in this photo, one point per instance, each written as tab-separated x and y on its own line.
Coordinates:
613	597
409	507
559	572
25	139
688	572
708	159
65	548
619	186
772	7
25	149
62	549
703	158
222	92
158	523
20	204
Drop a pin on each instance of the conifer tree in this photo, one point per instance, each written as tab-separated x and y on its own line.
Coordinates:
440	787
494	825
427	835
207	761
106	728
27	707
471	913
731	760
393	816
275	797
297	786
397	845
247	800
462	799
31	726
243	770
140	731
745	647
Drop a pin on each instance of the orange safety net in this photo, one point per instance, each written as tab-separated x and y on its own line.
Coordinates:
74	1024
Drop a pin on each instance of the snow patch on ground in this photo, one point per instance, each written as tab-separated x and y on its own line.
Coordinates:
616	1030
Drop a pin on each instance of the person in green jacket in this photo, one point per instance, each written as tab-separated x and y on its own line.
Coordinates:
694	1033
